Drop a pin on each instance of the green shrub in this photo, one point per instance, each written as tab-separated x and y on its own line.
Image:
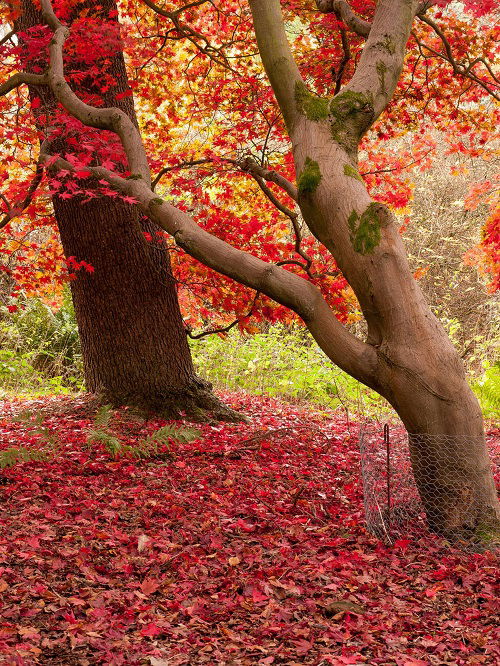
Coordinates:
283	363
487	389
41	349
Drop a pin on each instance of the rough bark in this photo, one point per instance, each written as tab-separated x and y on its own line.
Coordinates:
134	346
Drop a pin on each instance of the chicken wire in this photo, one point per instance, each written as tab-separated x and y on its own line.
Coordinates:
392	503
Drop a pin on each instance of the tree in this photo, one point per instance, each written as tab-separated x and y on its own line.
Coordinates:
133	341
406	356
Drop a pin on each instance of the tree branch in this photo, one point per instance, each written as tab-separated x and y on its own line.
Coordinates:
260	174
249	165
19	78
360	26
344	62
112	119
224	329
16	210
382	58
252	167
7	36
276	55
186	31
458	68
344	12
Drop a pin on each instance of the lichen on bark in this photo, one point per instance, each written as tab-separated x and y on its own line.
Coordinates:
350	171
309	178
365	229
381	71
388	45
310	105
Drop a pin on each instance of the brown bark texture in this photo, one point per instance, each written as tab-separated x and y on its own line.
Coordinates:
133	341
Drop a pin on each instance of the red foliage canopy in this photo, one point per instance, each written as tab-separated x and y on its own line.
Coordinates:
216	139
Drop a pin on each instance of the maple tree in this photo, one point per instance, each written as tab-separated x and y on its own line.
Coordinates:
132	337
316	133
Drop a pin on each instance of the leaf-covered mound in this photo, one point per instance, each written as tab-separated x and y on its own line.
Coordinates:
245	546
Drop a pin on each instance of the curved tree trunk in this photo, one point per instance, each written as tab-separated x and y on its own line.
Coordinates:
134	346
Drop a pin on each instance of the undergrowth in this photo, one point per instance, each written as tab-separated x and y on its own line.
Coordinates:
288	364
40	355
47	446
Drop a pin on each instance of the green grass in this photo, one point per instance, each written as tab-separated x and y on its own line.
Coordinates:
284	364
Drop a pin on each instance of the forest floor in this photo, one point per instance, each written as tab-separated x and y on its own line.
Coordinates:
245	546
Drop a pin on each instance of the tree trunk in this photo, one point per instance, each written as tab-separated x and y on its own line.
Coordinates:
417	369
448	453
134	345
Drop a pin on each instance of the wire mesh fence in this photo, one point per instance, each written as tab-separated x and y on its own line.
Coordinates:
449	487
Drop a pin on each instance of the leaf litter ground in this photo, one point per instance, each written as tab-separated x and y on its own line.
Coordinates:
246	546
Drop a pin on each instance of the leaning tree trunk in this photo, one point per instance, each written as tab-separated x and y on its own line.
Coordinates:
407	357
134	345
415	366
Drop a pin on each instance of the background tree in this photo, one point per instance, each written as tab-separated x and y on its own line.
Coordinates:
132	335
407	356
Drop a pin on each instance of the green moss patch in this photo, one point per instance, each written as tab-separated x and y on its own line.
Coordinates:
350	171
350	115
310	105
309	178
365	229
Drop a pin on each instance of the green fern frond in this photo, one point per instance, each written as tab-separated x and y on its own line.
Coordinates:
111	442
177	433
13	455
103	415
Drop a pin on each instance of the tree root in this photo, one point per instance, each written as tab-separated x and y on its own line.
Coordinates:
196	402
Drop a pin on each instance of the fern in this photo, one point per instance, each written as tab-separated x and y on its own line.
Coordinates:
177	433
145	448
35	423
13	455
103	416
112	443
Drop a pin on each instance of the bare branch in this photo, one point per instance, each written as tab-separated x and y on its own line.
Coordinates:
344	62
458	68
224	329
15	210
19	78
251	166
248	165
7	36
276	55
344	12
186	31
